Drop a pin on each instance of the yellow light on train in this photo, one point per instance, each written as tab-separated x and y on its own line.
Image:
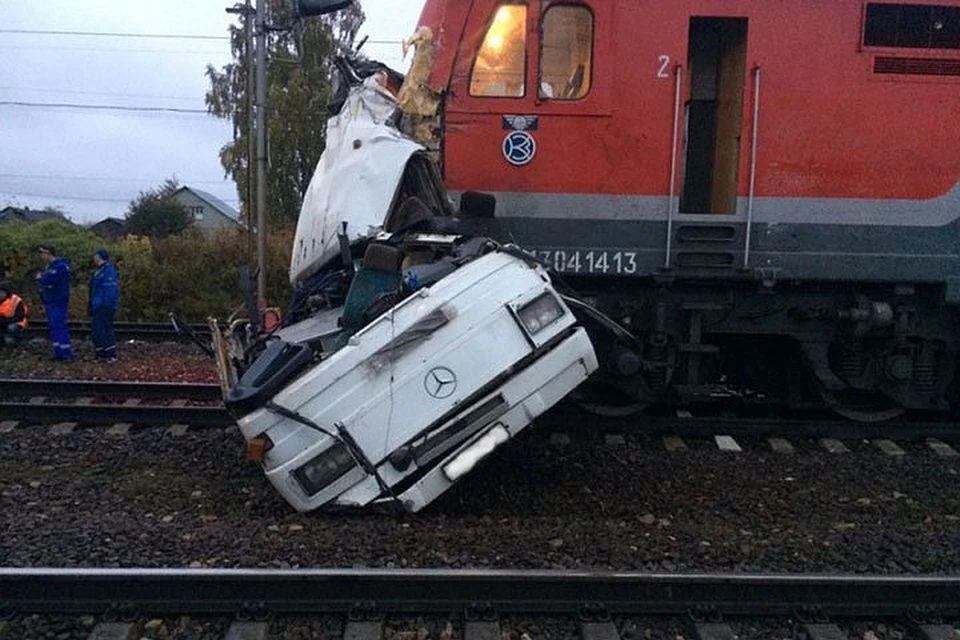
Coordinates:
508	27
501	61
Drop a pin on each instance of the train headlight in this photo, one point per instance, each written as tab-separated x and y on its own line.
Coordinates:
317	474
543	311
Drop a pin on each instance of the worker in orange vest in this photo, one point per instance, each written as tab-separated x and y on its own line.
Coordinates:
13	314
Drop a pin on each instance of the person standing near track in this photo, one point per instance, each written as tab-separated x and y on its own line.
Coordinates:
54	284
13	315
104	299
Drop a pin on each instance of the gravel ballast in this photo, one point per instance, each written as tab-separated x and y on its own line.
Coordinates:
154	500
138	361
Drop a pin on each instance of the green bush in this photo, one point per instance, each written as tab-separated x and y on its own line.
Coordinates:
192	274
20	262
195	275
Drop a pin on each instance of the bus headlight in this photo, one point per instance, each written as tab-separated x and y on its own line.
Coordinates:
322	470
540	313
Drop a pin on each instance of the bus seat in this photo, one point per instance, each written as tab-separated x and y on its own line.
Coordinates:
379	275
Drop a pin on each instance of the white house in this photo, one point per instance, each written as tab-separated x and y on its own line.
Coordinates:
210	213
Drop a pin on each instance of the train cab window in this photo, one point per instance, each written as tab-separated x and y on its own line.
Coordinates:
566	56
501	64
912	26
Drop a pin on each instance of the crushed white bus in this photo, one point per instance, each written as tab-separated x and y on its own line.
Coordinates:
396	374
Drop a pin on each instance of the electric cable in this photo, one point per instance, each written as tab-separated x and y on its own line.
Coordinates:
99	107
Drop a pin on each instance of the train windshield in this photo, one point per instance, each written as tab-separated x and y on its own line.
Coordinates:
566	58
500	67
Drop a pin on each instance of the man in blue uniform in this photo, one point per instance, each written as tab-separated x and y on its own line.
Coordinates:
104	298
54	284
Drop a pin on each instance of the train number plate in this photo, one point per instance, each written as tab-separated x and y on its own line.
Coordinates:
593	261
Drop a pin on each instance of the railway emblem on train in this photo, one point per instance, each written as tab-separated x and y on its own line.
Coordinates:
519	148
521	123
440	383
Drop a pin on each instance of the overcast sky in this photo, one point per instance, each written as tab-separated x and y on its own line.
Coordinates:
92	162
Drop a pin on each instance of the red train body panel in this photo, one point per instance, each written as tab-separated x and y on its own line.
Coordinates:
830	126
766	193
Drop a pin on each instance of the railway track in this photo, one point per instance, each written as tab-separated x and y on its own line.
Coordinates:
811	426
93	402
712	604
93	414
146	331
25	387
96	402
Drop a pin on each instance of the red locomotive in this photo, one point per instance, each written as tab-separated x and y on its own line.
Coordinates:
761	197
766	193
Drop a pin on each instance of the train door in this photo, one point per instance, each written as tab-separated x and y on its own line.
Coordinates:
714	115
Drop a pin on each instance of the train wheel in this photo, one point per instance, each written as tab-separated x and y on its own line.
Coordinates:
863	406
607	403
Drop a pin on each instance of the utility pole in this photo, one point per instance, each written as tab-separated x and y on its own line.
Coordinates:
261	102
248	13
304	8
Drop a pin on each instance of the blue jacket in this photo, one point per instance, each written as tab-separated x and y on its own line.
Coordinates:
55	282
104	287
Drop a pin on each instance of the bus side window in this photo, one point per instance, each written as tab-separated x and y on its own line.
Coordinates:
566	55
501	64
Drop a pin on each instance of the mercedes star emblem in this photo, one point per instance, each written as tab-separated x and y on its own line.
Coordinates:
440	383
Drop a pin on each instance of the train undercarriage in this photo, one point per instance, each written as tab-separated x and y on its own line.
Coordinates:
869	354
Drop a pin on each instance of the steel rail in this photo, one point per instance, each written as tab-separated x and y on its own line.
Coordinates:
708	426
217	416
123	325
424	591
123	330
106	414
26	387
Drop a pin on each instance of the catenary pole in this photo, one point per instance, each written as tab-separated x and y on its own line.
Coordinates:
247	12
251	125
261	99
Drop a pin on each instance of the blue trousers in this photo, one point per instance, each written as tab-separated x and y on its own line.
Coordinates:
10	334
101	332
59	334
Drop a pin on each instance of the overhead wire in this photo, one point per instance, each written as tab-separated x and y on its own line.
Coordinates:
96	93
59	197
113	34
120	34
115	50
83	198
98	178
100	107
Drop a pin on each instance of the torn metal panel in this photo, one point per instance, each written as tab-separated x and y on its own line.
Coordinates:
419	103
226	374
356	179
416	97
446	21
